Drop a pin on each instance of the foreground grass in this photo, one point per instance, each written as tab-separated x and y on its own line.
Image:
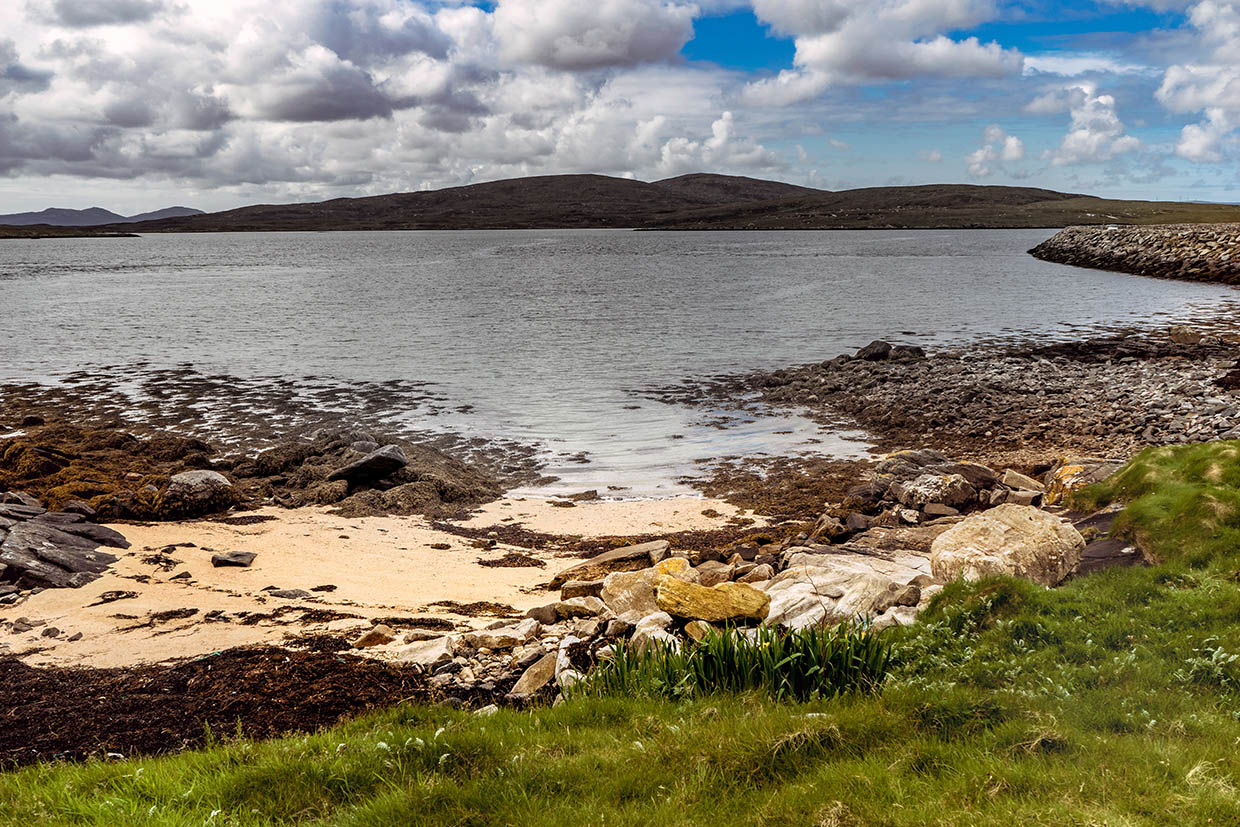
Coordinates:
1112	700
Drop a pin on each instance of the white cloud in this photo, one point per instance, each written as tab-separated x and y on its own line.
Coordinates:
932	156
1074	64
1211	85
997	148
839	42
572	34
1095	132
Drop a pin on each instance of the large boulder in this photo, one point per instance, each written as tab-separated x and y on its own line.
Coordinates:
827	589
628	558
653	628
374	466
1010	539
195	494
538	675
717	604
629	591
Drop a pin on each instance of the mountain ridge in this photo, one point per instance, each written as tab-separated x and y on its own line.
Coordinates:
699	201
90	217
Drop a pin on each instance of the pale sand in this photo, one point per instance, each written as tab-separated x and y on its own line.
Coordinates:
380	566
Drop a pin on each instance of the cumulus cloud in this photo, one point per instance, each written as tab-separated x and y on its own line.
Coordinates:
1095	132
79	14
1210	86
571	34
997	148
848	42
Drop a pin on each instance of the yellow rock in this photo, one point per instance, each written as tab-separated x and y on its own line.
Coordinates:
718	604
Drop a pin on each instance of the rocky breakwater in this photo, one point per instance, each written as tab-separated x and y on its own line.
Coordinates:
1195	252
917	521
50	549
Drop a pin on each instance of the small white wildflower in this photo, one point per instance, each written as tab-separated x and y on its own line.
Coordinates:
383	746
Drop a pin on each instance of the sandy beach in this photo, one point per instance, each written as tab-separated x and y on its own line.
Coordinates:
174	603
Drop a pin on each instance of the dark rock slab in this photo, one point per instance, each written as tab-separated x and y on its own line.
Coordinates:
19	498
375	465
240	559
76	524
43	555
1109	554
290	594
78	507
21	512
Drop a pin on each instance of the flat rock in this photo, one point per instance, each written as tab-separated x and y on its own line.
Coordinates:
233	558
375	636
291	594
43	555
628	558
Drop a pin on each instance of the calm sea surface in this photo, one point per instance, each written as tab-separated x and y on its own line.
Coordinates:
547	334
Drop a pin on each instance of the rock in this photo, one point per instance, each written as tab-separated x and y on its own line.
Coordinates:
195	494
698	629
1184	335
628	558
712	573
427	654
418	635
580	607
537	676
829	527
1072	474
876	351
1109	554
718	604
1018	481
653	628
546	615
1009	539
374	466
895	616
634	591
78	507
375	636
939	510
856	522
946	489
824	589
581	588
527	655
38	554
290	594
22	498
233	558
506	637
1023	497
896	595
618	627
758	574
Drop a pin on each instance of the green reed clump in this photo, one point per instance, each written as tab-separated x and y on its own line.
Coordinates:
796	666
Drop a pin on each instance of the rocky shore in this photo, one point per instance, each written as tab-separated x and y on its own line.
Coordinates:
1021	405
1194	252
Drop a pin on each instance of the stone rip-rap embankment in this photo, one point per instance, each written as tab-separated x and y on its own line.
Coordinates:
1195	252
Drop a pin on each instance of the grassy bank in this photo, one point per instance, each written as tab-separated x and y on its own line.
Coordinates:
1114	699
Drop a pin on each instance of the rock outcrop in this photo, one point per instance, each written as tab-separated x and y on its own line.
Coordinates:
42	549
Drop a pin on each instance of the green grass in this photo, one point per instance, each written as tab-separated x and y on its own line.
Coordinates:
797	666
1114	700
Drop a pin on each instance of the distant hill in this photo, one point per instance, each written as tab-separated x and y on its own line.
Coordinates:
93	217
688	202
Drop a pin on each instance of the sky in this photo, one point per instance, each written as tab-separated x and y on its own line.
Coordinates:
135	105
